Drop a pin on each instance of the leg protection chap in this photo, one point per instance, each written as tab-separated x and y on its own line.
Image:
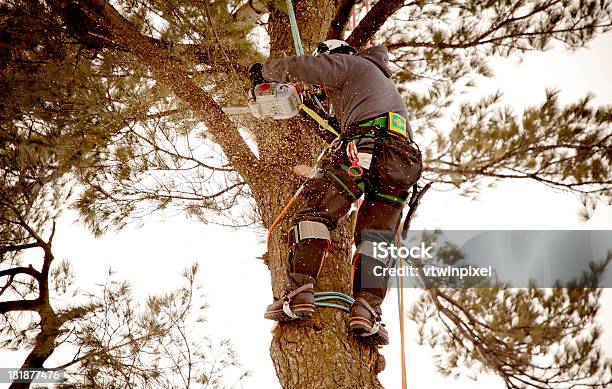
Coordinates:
370	273
309	241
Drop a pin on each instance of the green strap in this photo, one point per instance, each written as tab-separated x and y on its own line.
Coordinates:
363	135
295	32
342	184
361	186
391	198
380	121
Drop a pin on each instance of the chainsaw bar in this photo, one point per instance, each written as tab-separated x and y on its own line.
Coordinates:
233	111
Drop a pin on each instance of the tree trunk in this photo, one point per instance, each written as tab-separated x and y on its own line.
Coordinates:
318	352
44	344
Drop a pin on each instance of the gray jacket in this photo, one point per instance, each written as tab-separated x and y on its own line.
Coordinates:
360	87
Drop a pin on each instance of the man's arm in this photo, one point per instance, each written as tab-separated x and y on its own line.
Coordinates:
331	70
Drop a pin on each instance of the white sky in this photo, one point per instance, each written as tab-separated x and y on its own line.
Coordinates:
238	285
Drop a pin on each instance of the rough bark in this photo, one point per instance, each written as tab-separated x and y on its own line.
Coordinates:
341	18
318	352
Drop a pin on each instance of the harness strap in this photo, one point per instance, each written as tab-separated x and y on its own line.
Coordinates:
390	198
361	301
297	291
342	185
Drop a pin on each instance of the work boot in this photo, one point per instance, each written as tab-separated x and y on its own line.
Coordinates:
296	301
365	320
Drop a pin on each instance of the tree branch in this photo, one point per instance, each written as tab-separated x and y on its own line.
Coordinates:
373	21
171	72
21	270
343	14
20	305
495	40
18	247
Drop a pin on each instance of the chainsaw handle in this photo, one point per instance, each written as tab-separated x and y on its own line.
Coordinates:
256	76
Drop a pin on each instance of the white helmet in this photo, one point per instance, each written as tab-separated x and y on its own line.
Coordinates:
331	46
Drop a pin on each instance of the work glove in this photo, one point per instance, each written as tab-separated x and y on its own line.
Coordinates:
255	71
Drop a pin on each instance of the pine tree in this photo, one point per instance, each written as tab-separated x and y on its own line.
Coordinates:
158	72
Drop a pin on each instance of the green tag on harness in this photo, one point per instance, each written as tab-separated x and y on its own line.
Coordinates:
397	124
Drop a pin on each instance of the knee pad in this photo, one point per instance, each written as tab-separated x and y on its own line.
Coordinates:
308	229
367	249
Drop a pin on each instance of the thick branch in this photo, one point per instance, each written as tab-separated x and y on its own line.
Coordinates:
90	33
373	21
18	247
172	73
250	12
343	14
20	305
21	270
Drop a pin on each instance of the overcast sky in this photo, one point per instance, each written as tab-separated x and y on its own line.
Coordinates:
238	284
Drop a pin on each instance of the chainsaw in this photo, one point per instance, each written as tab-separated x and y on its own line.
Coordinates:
273	100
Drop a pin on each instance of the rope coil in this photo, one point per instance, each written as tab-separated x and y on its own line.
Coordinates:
322	298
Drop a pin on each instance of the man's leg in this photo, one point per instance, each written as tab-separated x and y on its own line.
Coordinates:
396	166
324	201
376	223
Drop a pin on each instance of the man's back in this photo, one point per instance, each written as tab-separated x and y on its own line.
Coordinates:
359	86
368	92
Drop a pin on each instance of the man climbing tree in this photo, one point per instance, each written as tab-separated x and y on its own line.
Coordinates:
159	73
375	155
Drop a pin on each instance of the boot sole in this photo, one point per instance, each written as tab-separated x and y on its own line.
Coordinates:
360	327
304	311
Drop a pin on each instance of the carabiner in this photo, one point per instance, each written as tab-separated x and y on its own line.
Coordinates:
354	170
